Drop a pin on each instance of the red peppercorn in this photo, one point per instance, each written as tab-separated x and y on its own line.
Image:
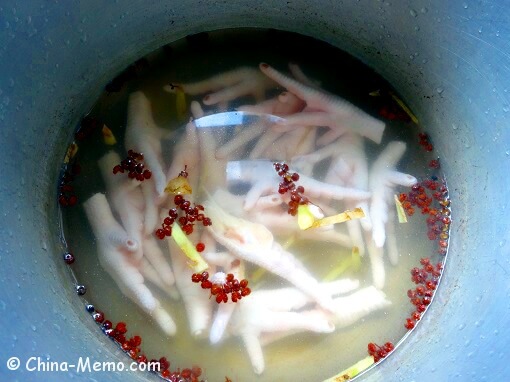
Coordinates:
382	353
107	325
216	289
430	285
434	163
416	301
200	247
98	317
160	234
196	277
188	229
62	200
196	371
164	363
235	297
409	324
136	341
186	373
446	220
121	327
69	258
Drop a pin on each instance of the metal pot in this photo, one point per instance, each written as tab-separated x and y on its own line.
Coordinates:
450	60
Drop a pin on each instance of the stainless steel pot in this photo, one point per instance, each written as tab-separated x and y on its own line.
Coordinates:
450	60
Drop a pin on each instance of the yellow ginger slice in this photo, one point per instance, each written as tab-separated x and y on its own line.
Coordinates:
352	371
197	263
108	137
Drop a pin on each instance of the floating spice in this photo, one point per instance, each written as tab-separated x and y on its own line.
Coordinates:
71	152
434	205
134	166
288	185
427	279
132	347
425	142
434	163
352	371
222	285
390	111
66	195
379	352
357	213
186	215
179	185
404	107
108	137
307	215
197	263
181	104
402	218
69	258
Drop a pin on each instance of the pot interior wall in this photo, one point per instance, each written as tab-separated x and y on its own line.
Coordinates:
448	62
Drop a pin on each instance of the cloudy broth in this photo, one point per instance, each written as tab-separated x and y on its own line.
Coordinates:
227	178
